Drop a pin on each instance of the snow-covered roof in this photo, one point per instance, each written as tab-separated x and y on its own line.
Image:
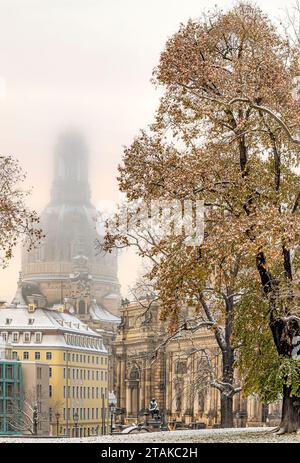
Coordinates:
112	296
100	314
43	319
55	326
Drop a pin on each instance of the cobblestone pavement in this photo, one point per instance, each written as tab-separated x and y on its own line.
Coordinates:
236	435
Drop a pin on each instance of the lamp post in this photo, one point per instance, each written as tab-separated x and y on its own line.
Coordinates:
112	408
76	417
35	420
57	416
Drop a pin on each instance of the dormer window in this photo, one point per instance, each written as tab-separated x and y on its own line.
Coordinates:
38	337
8	321
26	337
30	321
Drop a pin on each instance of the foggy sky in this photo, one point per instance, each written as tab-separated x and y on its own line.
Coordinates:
84	64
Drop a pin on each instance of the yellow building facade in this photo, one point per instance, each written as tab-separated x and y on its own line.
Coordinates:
77	366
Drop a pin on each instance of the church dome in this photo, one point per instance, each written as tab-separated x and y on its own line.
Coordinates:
69	225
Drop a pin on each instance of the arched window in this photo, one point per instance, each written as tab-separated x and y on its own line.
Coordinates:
81	307
134	374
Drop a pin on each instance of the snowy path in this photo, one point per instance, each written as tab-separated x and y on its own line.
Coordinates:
235	435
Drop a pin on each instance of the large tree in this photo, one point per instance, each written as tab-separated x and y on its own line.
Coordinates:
17	221
225	132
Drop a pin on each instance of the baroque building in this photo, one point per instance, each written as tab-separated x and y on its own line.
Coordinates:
176	373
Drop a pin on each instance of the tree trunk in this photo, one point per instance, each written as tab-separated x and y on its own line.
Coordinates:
283	330
226	411
227	394
283	333
290	418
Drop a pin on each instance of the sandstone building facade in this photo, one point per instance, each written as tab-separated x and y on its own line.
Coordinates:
175	374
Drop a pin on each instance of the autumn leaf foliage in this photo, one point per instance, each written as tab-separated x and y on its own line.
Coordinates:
226	132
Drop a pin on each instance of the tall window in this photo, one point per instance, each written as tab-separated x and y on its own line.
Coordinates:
37	355
50	390
25	355
48	355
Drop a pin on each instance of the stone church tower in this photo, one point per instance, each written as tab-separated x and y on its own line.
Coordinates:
66	268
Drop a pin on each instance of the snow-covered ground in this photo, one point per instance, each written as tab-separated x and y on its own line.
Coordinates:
235	435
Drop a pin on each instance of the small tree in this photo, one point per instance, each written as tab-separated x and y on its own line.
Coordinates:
16	220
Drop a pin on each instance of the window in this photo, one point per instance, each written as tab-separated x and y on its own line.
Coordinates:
15	355
50	390
30	321
180	367
39	373
5	336
48	355
8	321
15	337
25	355
26	337
38	391
50	372
38	337
37	355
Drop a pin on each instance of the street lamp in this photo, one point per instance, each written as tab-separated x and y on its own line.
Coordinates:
35	420
76	417
57	416
112	407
